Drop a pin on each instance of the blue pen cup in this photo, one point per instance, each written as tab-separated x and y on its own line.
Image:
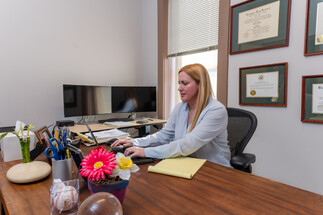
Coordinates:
62	169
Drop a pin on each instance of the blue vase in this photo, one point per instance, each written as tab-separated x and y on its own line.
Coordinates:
118	189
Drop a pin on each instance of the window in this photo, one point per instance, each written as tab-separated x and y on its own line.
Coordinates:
193	38
207	59
192	26
169	62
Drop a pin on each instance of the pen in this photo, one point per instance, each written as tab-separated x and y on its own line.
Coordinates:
64	137
67	154
62	154
56	134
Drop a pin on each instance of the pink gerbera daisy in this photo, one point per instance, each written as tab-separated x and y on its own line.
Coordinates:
97	164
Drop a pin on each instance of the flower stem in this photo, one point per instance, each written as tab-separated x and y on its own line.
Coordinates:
25	149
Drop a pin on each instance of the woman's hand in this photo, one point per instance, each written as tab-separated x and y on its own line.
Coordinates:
135	152
124	143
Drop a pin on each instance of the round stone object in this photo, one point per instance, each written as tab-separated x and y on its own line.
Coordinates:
28	172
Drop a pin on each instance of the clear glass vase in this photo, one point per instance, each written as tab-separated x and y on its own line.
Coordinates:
25	149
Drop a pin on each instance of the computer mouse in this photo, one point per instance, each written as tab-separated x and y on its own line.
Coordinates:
142	121
117	149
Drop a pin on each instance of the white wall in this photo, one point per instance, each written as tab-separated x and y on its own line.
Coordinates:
45	44
150	42
287	150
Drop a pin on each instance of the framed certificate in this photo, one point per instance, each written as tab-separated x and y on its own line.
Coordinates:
314	28
259	25
312	99
263	85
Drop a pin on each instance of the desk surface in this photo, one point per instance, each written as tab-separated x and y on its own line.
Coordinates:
100	127
213	190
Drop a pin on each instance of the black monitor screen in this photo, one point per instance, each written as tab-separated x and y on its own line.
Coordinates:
82	100
133	99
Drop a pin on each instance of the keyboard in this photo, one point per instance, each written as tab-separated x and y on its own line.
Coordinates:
115	120
135	160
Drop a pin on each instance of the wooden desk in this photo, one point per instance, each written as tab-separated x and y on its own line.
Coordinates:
100	127
213	190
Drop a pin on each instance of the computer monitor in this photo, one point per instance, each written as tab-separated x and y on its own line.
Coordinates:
82	100
126	99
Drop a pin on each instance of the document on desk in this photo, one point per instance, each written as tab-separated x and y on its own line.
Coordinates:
184	167
104	136
113	133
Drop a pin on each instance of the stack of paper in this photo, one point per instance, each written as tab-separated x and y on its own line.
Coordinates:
105	136
184	167
108	134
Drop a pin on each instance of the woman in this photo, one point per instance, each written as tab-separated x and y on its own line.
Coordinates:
197	126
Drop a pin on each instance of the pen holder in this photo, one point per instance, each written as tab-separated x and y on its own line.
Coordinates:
64	197
62	169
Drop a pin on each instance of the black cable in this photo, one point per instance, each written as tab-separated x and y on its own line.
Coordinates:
80	120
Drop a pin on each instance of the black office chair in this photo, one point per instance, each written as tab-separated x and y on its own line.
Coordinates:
241	126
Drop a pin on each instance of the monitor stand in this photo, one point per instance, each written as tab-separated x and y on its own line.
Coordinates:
83	122
131	117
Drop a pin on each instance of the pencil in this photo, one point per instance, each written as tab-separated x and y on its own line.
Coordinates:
67	153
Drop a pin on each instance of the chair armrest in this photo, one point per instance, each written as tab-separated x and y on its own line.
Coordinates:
242	161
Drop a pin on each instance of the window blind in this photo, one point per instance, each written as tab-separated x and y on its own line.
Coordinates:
193	26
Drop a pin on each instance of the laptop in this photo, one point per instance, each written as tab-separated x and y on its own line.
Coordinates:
136	160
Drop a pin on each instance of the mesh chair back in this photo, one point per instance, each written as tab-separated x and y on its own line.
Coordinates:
241	126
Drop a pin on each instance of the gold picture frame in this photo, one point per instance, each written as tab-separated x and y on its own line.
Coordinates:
43	135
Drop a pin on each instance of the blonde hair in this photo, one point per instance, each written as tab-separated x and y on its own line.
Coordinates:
201	76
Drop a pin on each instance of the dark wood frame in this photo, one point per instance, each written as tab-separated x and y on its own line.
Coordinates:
306	53
304	100
38	135
264	45
285	64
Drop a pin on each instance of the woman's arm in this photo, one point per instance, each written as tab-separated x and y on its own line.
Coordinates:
212	122
161	137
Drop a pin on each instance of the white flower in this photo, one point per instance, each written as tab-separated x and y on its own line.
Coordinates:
19	129
125	167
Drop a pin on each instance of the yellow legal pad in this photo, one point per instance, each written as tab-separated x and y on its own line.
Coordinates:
184	167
